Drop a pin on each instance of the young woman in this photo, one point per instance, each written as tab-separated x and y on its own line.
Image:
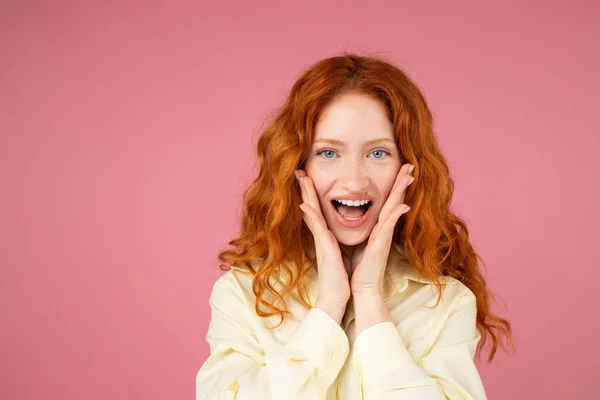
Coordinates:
348	242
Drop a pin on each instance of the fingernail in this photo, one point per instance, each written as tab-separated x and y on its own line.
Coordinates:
410	181
406	210
297	175
302	208
411	169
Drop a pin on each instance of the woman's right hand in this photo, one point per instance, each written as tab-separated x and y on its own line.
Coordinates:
334	286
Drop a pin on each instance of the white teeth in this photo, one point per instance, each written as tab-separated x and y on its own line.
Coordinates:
354	203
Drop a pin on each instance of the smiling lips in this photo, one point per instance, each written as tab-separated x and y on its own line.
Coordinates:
352	213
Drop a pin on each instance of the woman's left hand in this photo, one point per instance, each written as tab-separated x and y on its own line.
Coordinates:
370	259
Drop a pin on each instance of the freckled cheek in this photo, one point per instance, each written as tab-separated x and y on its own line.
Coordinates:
322	183
321	190
386	186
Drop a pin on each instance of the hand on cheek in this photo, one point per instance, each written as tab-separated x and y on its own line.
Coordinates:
370	259
333	278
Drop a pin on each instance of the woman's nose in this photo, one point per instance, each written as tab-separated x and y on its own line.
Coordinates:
355	177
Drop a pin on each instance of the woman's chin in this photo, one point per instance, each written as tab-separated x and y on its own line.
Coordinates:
349	238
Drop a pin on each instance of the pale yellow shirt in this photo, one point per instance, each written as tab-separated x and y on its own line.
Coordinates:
425	354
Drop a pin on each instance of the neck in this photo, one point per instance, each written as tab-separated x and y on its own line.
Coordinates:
347	256
347	252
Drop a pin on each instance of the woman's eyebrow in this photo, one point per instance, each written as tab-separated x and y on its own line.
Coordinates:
369	142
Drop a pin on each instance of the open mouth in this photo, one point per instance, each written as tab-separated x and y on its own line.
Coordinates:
351	213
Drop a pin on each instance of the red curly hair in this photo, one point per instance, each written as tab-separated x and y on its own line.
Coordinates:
436	241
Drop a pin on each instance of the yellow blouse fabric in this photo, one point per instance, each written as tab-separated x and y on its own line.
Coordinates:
426	353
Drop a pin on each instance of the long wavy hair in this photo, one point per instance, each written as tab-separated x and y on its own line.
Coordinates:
275	241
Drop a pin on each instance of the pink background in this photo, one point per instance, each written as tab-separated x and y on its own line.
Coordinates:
127	137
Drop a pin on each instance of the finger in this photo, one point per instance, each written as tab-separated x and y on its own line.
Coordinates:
396	196
403	171
398	212
302	189
299	176
390	224
317	226
306	216
400	184
315	222
311	194
385	231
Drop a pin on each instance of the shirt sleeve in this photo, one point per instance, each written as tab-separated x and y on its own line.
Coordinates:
446	372
238	367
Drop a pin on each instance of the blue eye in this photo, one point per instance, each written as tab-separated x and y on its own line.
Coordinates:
330	153
325	151
381	151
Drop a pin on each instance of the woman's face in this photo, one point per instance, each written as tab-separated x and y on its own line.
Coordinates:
354	156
